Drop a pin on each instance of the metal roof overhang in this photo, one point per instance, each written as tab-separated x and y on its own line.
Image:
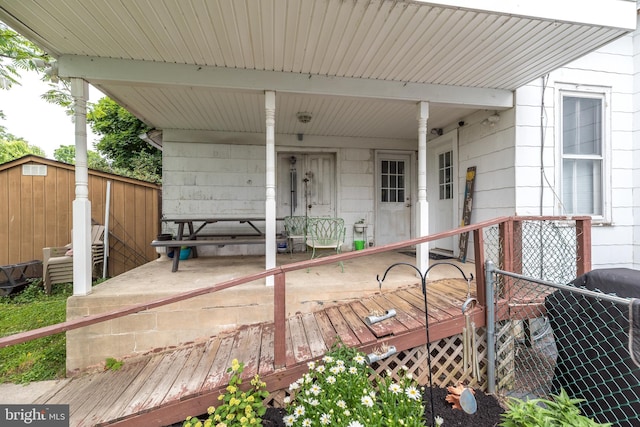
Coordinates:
358	66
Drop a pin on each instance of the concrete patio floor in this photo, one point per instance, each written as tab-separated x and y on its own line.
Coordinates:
210	314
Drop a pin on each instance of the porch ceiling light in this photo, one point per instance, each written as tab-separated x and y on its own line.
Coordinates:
303	117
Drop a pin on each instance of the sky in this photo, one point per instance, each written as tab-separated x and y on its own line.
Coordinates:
40	123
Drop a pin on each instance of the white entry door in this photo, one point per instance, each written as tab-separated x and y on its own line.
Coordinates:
393	198
442	190
306	184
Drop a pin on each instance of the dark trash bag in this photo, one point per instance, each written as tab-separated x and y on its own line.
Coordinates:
592	339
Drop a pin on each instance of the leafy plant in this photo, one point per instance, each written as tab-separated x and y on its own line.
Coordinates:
238	408
558	411
338	391
112	364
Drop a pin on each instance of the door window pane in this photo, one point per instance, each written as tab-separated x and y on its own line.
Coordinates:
445	170
392	181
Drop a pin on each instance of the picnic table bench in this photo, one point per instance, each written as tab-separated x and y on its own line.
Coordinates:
15	276
195	238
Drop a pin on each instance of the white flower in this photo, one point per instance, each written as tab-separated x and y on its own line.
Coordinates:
355	424
341	368
294	386
412	393
327	359
287	400
306	422
404	368
439	421
288	420
320	369
308	378
341	404
359	359
313	402
409	376
298	411
335	370
311	365
367	401
325	419
395	388
331	379
353	370
316	389
340	362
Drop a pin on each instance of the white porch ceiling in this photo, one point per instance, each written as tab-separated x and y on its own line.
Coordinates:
358	66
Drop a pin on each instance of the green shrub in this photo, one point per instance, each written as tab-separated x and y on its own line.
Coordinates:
559	411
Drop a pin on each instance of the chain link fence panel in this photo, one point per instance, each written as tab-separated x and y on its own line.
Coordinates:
578	338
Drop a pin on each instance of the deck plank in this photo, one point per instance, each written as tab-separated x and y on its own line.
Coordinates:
201	372
247	349
105	392
157	384
218	370
329	333
435	311
356	323
314	335
114	412
407	314
299	344
182	383
342	327
391	326
289	358
267	358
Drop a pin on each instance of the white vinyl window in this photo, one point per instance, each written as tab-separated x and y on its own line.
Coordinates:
583	142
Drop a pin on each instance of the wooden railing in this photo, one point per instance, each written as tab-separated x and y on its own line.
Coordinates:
510	261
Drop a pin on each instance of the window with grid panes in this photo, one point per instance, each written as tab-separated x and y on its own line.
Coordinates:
393	181
445	170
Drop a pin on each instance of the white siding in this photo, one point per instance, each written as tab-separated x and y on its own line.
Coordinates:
612	68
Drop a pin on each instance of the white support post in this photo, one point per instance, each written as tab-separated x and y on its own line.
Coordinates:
422	209
270	203
81	238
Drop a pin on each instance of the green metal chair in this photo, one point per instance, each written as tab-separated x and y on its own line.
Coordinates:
295	227
326	233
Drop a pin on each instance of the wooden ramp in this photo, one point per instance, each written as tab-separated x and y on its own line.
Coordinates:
163	388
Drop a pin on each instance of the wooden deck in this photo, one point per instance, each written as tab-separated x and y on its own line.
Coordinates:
163	388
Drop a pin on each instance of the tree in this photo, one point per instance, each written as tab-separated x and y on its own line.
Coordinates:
67	154
120	143
17	53
16	148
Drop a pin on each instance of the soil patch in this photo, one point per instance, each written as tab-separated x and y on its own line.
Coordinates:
488	414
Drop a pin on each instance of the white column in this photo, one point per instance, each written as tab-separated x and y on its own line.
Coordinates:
81	205
422	209
270	203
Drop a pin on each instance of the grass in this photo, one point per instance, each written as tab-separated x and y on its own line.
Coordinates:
43	358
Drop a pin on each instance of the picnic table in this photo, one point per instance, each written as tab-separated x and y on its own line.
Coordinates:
14	276
191	233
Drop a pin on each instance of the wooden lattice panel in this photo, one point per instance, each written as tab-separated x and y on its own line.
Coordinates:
447	362
505	355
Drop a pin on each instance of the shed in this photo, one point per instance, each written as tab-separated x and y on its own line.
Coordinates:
36	196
